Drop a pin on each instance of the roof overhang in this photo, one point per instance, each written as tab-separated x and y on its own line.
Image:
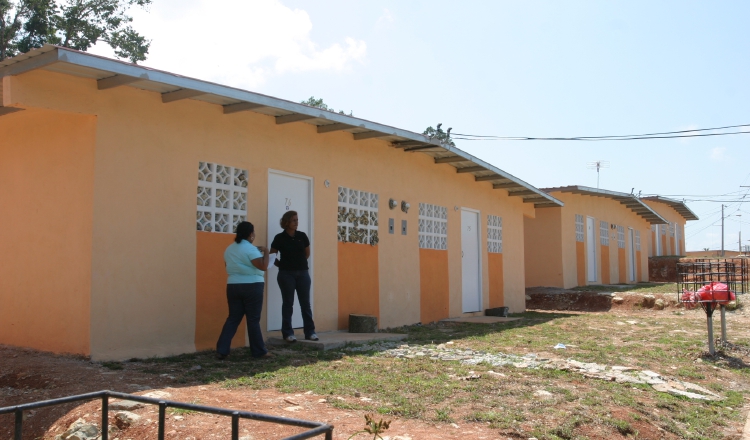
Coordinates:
678	206
629	200
111	73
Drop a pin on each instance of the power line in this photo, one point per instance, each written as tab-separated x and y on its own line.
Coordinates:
658	135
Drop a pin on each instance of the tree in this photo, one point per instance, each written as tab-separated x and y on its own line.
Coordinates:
444	137
77	24
312	102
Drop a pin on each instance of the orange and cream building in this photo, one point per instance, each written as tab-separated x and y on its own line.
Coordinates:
121	186
597	237
669	238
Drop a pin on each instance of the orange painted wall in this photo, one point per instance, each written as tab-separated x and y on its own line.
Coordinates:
653	243
638	268
434	291
543	254
580	263
672	248
605	264
46	176
359	286
495	266
664	250
622	265
211	307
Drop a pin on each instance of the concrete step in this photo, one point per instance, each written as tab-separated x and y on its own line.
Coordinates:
333	340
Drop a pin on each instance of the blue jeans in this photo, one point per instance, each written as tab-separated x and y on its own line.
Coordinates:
289	281
244	300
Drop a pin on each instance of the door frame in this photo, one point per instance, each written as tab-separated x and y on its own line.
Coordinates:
479	259
632	272
591	244
310	236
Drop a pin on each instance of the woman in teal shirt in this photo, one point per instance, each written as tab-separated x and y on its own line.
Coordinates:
246	265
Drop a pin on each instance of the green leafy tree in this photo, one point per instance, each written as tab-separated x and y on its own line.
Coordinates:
313	102
77	24
438	134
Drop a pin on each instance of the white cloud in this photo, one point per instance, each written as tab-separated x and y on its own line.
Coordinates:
718	154
237	42
385	20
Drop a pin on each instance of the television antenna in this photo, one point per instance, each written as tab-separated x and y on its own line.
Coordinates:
597	165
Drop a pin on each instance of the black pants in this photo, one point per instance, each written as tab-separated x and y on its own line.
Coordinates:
289	281
244	300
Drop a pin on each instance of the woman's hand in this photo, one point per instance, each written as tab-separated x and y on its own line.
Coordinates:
263	249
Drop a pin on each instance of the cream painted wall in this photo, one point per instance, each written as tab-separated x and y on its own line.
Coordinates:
143	282
672	216
600	208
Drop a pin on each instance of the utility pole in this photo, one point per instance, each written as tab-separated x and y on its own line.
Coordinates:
722	229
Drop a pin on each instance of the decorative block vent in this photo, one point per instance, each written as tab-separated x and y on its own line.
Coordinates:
621	237
222	197
671	229
358	216
433	227
494	234
579	227
604	233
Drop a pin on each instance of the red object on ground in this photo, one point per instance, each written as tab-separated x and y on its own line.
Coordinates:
689	299
718	292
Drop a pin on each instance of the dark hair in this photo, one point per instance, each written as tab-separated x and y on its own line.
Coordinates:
244	229
286	219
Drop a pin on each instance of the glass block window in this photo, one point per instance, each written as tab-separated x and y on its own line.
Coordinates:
671	229
358	216
637	240
604	233
494	234
433	227
222	197
621	237
579	227
663	229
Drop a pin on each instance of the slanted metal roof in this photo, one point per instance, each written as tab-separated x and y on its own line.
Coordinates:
629	200
111	73
678	206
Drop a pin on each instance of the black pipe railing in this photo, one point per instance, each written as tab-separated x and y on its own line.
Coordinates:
315	428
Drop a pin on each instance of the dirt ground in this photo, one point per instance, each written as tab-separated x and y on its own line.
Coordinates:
29	376
551	298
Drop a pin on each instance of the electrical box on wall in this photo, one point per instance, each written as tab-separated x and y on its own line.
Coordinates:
403	227
391	227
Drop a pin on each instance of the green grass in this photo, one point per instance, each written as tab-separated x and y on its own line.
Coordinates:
428	390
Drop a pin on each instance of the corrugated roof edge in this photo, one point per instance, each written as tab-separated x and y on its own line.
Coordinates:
607	193
687	213
49	54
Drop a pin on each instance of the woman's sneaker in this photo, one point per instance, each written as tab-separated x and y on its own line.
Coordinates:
290	339
312	337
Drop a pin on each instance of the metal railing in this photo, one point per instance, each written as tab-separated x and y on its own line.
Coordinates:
315	428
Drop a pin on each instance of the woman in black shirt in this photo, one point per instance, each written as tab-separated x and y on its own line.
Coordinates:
294	247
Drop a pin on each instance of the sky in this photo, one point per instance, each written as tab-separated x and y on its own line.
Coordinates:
555	68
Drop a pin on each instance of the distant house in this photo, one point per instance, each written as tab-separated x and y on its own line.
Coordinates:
597	237
669	238
122	185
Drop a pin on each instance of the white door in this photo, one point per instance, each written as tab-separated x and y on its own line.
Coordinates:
590	249
471	270
287	192
658	240
631	250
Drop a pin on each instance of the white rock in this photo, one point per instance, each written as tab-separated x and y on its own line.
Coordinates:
618	300
543	394
125	405
80	430
158	395
659	304
455	426
127	418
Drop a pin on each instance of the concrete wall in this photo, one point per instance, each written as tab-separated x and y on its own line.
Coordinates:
669	244
556	259
149	280
46	176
